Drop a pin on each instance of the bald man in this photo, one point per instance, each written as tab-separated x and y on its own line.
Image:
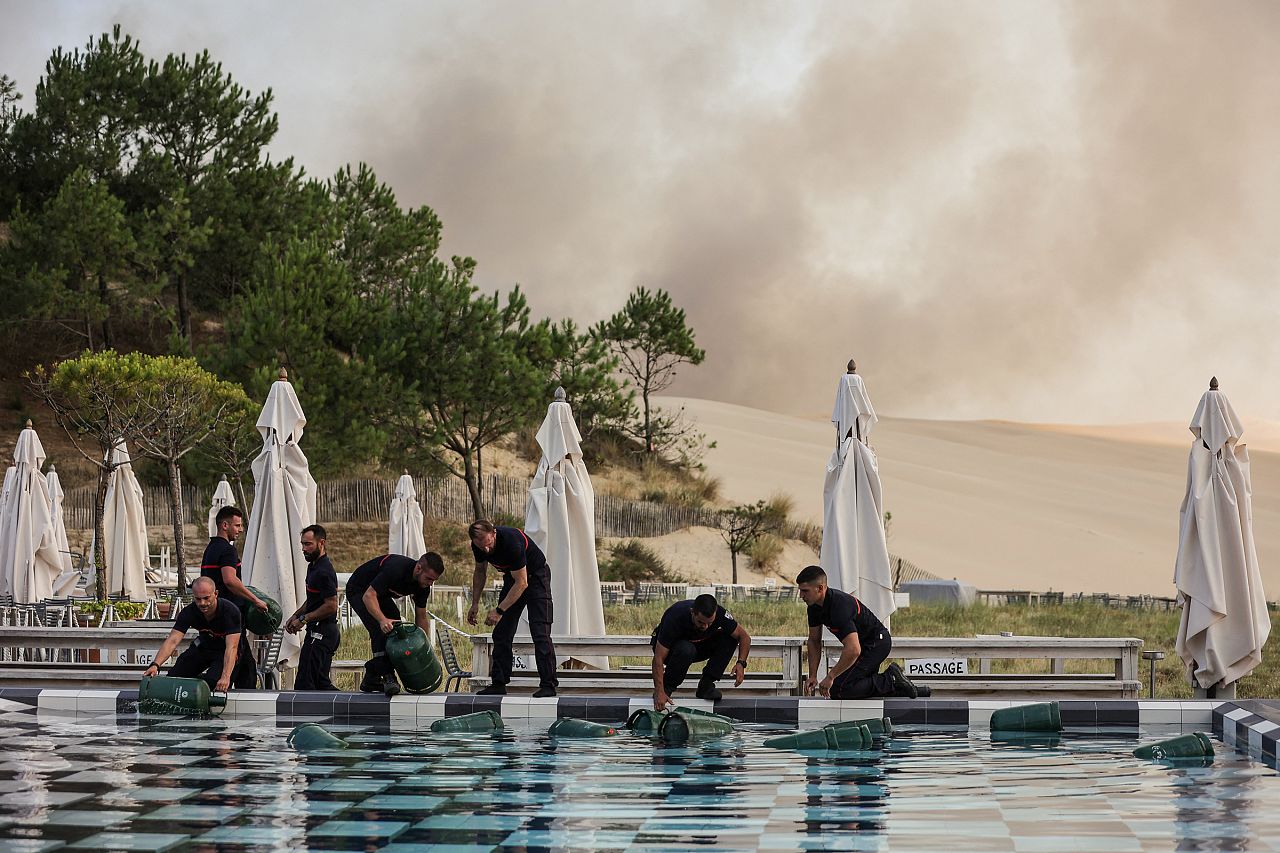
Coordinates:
212	656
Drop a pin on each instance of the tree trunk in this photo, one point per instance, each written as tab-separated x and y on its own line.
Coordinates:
244	503
99	538
648	422
179	531
473	486
184	310
104	295
733	558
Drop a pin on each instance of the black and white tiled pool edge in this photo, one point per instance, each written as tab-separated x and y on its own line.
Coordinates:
411	712
1240	725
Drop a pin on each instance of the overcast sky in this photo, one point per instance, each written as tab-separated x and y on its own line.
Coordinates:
1031	210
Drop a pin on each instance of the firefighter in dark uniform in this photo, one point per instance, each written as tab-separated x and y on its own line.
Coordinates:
212	656
318	615
372	591
864	639
691	631
221	564
526	582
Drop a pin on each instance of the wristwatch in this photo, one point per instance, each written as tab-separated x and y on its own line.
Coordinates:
498	610
742	662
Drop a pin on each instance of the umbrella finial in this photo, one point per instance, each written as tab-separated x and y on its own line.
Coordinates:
853	367
224	478
406	472
53	467
283	375
559	393
1213	383
28	423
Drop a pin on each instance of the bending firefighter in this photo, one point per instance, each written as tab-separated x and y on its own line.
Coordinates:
864	644
692	631
372	591
212	655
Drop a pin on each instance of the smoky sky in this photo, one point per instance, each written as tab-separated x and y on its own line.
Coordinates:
1029	210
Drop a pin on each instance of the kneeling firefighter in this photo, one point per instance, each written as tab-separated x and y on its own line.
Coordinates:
372	591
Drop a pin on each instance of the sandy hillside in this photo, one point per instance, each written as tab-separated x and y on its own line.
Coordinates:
699	555
1002	505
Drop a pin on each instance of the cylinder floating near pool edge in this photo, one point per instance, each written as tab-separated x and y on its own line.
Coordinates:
310	736
1038	717
645	721
878	726
569	727
481	721
834	736
1195	745
679	727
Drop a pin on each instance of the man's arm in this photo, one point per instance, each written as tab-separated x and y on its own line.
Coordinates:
228	662
422	619
849	654
370	600
660	698
166	649
477	590
237	586
519	583
299	620
744	652
814	648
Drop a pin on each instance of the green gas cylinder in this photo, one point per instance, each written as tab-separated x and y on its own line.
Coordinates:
310	736
645	721
262	624
569	727
835	736
1038	717
878	726
1196	745
163	694
481	721
680	727
410	654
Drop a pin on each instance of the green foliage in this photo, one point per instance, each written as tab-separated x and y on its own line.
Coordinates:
124	610
584	367
632	562
650	338
742	525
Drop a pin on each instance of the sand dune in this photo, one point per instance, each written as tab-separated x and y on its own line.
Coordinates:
1002	505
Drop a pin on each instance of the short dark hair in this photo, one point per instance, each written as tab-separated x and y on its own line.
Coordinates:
315	530
432	561
480	525
705	605
811	574
225	513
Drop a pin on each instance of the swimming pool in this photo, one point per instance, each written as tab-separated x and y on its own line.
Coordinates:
115	782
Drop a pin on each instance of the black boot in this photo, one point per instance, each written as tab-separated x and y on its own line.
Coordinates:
373	681
708	690
901	685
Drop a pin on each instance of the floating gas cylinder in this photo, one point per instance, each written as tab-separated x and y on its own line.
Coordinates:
834	736
260	623
309	736
1038	717
1195	745
164	694
645	721
878	726
481	721
410	654
679	727
570	727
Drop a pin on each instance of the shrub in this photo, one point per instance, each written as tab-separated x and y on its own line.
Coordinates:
632	562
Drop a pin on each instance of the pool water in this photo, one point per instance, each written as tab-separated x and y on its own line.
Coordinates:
118	783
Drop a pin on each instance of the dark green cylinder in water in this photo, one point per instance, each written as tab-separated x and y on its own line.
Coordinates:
410	653
834	736
262	624
481	721
569	727
878	726
679	727
645	721
166	694
1196	745
310	736
1040	717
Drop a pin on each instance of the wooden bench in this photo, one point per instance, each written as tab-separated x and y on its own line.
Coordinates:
1119	679
637	680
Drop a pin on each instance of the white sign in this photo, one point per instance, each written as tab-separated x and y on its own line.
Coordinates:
146	656
936	666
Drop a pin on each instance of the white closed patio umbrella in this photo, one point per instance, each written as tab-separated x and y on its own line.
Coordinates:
69	576
560	518
10	475
1224	621
222	496
284	502
405	530
29	561
124	530
854	552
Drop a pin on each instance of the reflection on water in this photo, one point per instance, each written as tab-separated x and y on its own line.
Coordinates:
234	785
